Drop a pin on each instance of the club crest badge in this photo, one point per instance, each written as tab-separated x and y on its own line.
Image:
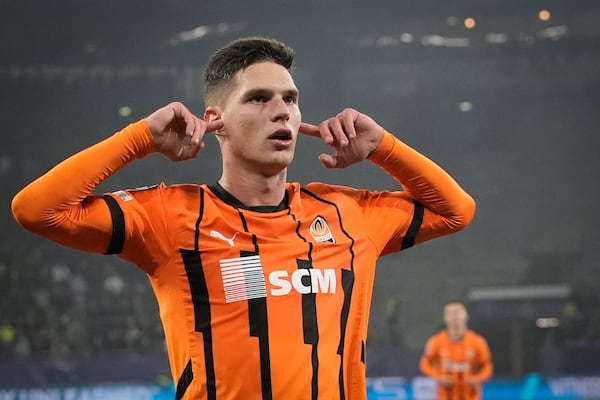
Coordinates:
320	231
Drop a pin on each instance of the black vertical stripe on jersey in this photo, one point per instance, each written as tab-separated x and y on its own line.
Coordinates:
311	329
415	226
259	327
298	225
347	286
309	309
202	317
186	378
257	309
200	215
117	239
244	223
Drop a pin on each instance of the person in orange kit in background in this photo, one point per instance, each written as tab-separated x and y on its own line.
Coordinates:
457	358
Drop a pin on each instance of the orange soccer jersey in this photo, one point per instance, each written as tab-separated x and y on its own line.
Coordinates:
261	303
256	303
466	358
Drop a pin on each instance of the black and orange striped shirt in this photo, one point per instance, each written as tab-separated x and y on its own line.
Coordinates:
256	303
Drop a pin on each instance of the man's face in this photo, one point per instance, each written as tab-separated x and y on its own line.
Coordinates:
455	316
261	119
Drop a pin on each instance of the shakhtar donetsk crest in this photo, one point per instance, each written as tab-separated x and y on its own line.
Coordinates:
320	231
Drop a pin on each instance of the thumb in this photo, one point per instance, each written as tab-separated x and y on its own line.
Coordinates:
328	160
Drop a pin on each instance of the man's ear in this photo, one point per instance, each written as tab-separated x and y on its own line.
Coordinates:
212	113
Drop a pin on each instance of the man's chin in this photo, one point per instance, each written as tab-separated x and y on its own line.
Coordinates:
278	164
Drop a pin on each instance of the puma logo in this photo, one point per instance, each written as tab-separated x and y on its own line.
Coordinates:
219	235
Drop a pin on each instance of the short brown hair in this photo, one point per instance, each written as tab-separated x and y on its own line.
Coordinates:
239	55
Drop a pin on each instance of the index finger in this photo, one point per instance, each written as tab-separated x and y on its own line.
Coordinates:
204	127
212	126
309	129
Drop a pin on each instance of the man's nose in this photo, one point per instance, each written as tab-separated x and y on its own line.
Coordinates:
281	109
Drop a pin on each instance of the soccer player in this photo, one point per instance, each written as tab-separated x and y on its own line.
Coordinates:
457	358
264	286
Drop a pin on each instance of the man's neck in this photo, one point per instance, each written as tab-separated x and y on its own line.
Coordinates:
255	190
456	334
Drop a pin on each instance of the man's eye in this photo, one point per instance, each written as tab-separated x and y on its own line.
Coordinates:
258	99
290	99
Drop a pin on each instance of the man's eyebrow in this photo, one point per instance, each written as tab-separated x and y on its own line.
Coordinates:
268	92
292	92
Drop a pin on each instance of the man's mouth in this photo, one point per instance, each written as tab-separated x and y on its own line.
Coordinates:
281	134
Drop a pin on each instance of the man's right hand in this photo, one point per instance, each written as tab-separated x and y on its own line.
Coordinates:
178	134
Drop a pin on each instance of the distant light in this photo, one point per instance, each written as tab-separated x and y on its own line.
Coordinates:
194	34
571	309
406	37
554	32
544	15
496	38
465	106
7	334
125	111
547	323
470	23
437	40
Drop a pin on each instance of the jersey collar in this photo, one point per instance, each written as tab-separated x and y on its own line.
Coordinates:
228	198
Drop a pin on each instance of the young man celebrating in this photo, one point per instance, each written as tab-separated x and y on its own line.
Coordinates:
264	286
457	358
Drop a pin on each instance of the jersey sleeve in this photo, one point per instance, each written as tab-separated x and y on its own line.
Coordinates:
435	202
484	360
428	361
60	205
140	230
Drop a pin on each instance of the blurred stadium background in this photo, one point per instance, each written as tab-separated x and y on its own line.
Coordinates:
503	94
